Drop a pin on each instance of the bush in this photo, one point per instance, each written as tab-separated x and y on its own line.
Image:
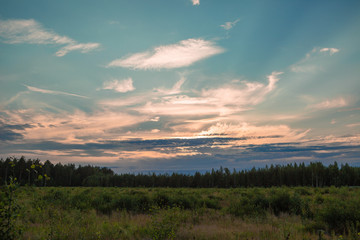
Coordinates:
302	191
144	203
280	202
162	200
212	203
103	203
339	216
185	202
125	202
133	203
164	224
56	197
253	205
81	201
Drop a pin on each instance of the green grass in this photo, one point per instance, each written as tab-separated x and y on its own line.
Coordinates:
182	213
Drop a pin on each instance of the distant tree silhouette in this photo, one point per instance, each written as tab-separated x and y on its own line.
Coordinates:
36	173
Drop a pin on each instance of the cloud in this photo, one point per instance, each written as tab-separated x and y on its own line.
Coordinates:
122	86
74	127
331	51
353	125
82	47
177	55
246	94
184	113
176	89
185	153
35	89
11	132
313	60
330	103
123	102
222	101
195	2
29	31
252	134
9	135
229	25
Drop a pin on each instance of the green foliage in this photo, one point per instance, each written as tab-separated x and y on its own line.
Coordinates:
165	224
103	203
280	201
253	205
9	211
340	216
80	200
166	213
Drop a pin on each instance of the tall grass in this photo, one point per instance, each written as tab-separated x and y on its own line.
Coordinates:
165	213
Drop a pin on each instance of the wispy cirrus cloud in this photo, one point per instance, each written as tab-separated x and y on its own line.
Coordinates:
40	90
122	86
18	31
181	54
313	59
176	89
229	25
330	103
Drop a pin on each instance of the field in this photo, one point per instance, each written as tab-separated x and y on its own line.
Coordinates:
182	213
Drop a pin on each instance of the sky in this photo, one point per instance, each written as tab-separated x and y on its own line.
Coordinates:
180	86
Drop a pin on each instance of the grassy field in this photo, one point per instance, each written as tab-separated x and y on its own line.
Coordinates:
182	213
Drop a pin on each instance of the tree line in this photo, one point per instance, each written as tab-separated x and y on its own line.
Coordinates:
33	172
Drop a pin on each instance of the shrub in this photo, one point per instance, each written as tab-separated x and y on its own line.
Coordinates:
164	224
103	203
162	200
340	215
253	205
280	202
81	201
56	197
185	202
133	202
302	191
144	203
212	203
124	202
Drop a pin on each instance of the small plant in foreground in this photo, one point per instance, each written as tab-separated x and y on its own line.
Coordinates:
9	211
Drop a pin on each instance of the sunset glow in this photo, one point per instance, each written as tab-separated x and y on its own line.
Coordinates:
180	85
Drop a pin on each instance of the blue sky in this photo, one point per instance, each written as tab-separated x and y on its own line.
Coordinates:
180	85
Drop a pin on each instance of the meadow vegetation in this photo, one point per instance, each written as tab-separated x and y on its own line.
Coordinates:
45	201
184	213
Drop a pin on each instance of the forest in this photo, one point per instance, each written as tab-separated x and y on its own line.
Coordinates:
33	172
